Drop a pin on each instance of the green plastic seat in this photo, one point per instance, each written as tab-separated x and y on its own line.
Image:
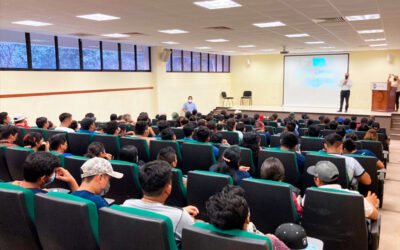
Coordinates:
15	158
178	196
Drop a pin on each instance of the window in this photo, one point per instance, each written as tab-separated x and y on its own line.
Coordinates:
143	58
68	53
227	65
128	56
176	60
219	63
91	55
43	51
168	65
187	61
110	56
204	62
13	50
196	62
213	63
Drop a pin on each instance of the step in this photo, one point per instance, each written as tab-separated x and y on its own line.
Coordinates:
395	137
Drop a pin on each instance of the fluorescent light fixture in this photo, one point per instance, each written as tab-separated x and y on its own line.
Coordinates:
315	42
269	25
218	40
98	17
267	50
229	51
116	35
375	39
170	42
201	48
328	47
363	17
247	46
217	4
370	31
173	31
297	35
378	45
32	23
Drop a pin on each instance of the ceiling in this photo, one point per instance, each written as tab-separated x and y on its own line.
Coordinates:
149	16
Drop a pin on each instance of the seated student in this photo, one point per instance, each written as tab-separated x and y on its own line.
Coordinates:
290	142
41	169
352	127
188	130
228	210
386	142
363	127
88	126
8	135
231	126
333	125
5	119
371	135
129	153
326	175
42	122
349	147
112	128
35	142
229	165
91	116
65	120
168	154
217	137
58	143
167	134
20	121
51	125
260	129
313	131
74	125
240	127
161	125
252	141
203	134
96	149
144	117
212	126
272	169
355	172
142	131
291	127
155	180
96	174
114	117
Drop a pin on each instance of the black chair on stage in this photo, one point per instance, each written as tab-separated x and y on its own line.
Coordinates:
247	95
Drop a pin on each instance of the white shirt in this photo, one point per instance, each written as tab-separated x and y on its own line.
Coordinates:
65	129
353	168
395	84
347	86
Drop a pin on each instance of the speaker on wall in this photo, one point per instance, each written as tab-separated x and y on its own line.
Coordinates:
165	54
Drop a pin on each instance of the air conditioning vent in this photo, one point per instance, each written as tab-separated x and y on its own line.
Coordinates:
219	28
329	20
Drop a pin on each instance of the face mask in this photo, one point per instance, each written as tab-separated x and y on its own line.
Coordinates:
105	190
52	178
189	101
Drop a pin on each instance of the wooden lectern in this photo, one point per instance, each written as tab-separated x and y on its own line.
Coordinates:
383	97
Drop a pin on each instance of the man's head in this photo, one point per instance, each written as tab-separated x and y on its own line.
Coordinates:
128	153
112	128
346	76
168	134
188	130
240	127
162	124
272	169
58	142
324	172
40	168
4	118
168	154
88	124
155	179
141	128
113	117
203	134
230	124
42	122
290	126
65	119
349	146
333	143
9	133
190	99
333	125
289	141
313	131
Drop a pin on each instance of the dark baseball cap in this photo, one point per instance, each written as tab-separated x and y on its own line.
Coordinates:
295	237
326	171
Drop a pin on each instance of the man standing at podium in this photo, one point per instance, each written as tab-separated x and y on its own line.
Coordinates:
395	84
345	86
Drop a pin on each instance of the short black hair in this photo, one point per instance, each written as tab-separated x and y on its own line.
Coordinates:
227	210
291	126
251	140
3	116
113	117
333	139
333	125
230	124
41	121
375	125
39	164
364	120
32	138
202	134
6	131
162	124
167	154
272	169
313	130
57	140
353	125
167	134
216	137
289	140
128	153
74	125
86	123
95	149
188	130
90	115
240	126
140	127
363	127
64	116
346	121
154	176
349	145
111	127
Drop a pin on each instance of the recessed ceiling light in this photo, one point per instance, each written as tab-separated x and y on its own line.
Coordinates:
32	23
247	46
173	31
269	24
363	17
268	50
170	42
375	39
378	45
98	17
328	47
229	51
370	31
202	48
217	4
297	35
315	42
116	35
219	40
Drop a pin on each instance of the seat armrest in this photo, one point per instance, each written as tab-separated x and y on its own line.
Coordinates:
374	233
385	154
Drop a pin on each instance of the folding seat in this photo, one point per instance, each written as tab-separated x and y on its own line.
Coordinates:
231	136
308	143
37	130
280	130
288	159
51	132
15	158
270	129
155	129
197	156
246	157
178	133
303	131
321	126
78	143
128	187
157	145
337	218
202	236
73	165
326	132
249	128
263	141
131	228
172	123
270	202
65	221
272	123
140	144
4	174
374	146
17	228
360	134
111	143
178	196
203	184
275	141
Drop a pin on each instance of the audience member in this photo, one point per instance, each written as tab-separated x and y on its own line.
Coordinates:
20	121
58	143
313	131
142	131
65	120
371	135
167	134
96	149
112	128
42	122
290	142
34	141
188	130
5	119
252	141
88	126
129	153
8	135
203	135
349	147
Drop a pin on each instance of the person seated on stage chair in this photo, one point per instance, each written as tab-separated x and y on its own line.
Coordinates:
326	175
142	131
42	122
58	143
203	134
34	141
96	174
41	169
155	180
88	126
8	135
167	134
96	149
356	173
313	131
65	123
5	119
349	147
290	142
